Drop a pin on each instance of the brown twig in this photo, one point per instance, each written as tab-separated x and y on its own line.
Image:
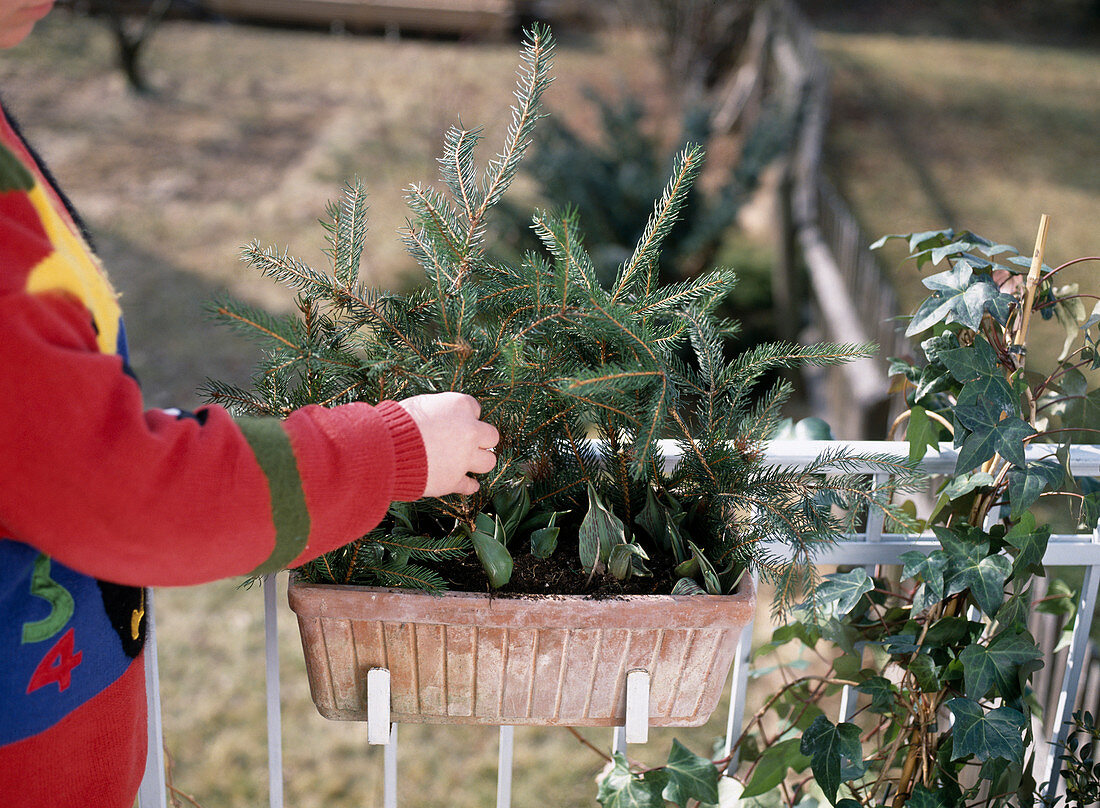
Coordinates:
935	416
173	792
589	744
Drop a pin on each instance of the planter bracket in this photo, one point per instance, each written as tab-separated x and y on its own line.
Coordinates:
637	706
378	706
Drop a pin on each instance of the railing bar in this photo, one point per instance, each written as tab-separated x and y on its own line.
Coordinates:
849	697
504	767
274	701
153	792
1083	461
1063	553
1083	677
1075	661
738	686
876	518
389	770
618	741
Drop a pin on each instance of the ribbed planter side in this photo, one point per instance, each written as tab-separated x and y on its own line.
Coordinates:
475	659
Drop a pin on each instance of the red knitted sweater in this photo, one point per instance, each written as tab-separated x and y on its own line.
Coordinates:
99	497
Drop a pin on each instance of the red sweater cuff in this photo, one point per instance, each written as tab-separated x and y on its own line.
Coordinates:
354	460
410	458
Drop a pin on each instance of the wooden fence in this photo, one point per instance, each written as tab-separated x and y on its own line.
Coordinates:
826	284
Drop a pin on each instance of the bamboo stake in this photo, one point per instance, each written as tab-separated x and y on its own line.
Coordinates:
1033	276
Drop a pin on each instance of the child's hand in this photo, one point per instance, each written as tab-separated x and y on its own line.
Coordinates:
456	442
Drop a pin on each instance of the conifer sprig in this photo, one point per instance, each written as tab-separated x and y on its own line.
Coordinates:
644	262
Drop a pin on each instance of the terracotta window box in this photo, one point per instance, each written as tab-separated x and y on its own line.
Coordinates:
480	659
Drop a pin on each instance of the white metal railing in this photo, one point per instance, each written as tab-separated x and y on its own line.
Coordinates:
870	547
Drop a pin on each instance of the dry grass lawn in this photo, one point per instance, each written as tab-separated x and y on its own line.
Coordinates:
931	132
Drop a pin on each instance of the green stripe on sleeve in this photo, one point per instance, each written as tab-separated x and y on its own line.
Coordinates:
271	445
14	176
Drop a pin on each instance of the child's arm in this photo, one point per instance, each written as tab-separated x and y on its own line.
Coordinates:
153	498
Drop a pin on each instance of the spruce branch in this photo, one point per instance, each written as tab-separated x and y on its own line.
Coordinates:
457	169
347	228
705	291
560	235
665	215
534	78
437	232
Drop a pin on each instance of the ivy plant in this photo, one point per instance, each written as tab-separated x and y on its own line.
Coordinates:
936	652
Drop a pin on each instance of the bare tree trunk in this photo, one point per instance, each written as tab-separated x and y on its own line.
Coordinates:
699	39
131	42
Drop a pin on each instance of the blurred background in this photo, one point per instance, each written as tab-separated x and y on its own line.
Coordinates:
184	130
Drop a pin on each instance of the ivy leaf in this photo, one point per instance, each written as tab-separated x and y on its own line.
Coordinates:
623	789
984	576
730	792
969	364
1031	544
925	672
1017	609
962	543
998	664
963	484
933	347
929	568
1093	318
933	379
999	772
921	433
922	797
987	392
990	434
901	644
959	247
771	768
924	598
1082	412
1026	484
1090	510
832	749
690	777
882	693
929	239
950	631
985	735
839	592
959	297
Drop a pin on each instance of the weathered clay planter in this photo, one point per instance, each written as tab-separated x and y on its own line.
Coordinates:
475	659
